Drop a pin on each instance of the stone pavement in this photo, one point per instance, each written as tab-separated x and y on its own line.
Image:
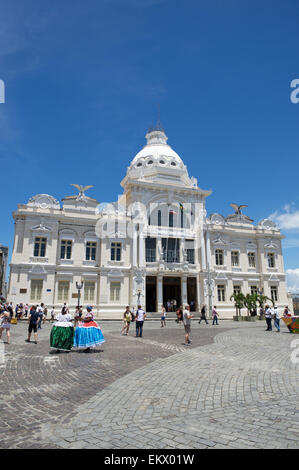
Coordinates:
235	387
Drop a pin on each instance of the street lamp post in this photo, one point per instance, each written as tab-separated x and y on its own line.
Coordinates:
79	287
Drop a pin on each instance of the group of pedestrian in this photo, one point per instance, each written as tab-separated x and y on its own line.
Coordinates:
274	314
171	305
130	316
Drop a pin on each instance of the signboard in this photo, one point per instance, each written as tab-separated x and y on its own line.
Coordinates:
74	296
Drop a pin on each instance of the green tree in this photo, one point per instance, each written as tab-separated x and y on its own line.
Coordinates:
238	298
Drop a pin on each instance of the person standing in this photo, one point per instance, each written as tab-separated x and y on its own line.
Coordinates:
203	315
127	318
187	324
26	310
62	333
5	320
32	321
268	316
52	314
40	311
215	315
276	319
163	316
140	317
88	334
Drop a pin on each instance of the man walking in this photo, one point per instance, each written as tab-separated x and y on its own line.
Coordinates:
187	324
277	319
140	317
203	315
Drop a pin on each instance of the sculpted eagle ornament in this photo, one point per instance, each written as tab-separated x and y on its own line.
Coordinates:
81	188
238	208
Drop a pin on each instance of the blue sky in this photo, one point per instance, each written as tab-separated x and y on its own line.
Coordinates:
83	80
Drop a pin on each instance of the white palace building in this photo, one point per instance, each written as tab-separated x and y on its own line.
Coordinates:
156	243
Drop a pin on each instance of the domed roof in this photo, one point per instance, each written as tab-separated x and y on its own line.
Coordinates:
157	152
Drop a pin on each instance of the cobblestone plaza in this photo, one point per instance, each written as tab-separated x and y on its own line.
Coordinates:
235	387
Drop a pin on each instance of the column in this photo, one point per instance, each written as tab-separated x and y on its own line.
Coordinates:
208	250
159	248
141	250
184	290
160	291
203	250
134	255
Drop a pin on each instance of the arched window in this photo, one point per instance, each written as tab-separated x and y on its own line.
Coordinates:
170	218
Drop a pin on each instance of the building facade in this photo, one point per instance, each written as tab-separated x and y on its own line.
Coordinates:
155	244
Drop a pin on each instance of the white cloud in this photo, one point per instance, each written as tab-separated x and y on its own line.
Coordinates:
288	219
292	278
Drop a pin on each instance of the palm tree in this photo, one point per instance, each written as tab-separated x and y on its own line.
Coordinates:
262	299
238	298
250	302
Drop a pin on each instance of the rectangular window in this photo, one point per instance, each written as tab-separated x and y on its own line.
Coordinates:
221	293
115	251
237	289
251	260
271	260
63	291
89	291
274	294
36	290
235	258
253	289
114	291
40	246
91	248
159	219
66	249
150	250
171	219
190	255
219	257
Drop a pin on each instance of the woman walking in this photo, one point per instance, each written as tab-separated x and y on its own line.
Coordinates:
88	334
5	325
62	333
127	321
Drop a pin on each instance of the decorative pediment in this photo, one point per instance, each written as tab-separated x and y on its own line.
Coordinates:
44	201
267	224
41	228
38	269
219	241
216	219
270	245
221	276
251	246
115	273
274	277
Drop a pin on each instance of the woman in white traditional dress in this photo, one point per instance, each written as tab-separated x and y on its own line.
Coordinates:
62	333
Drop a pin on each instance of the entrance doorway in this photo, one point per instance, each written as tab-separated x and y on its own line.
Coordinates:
171	293
191	293
151	294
